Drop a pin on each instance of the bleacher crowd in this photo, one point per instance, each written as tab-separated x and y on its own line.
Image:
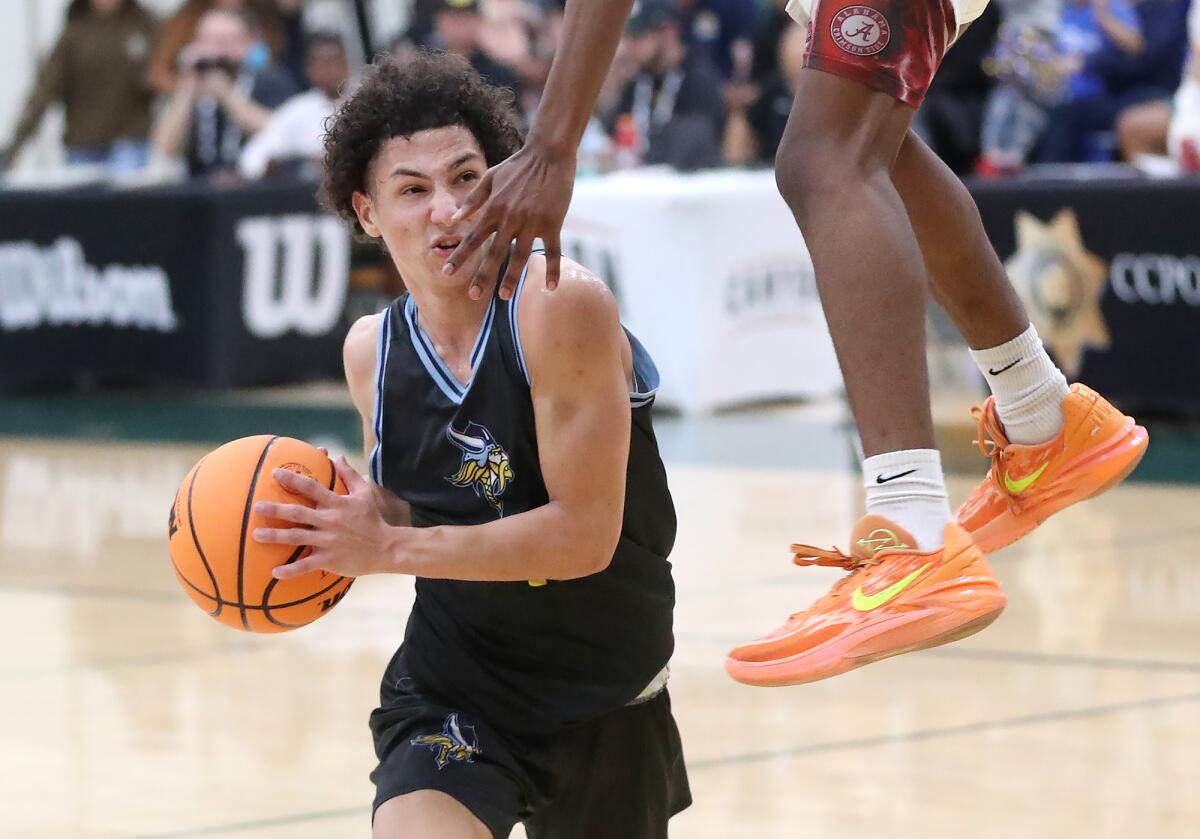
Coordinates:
237	90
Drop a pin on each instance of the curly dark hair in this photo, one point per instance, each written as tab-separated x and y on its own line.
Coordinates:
433	90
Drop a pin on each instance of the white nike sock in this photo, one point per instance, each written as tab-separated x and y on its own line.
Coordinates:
1029	389
908	488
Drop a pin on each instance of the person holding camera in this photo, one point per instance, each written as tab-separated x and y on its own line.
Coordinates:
222	99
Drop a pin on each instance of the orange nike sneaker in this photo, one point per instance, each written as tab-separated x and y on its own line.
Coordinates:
895	600
1096	449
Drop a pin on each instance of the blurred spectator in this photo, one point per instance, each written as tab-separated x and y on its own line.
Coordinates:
97	70
293	139
766	118
294	57
220	99
1133	65
421	15
458	28
723	31
1041	70
769	27
545	37
522	36
1184	133
1164	126
180	30
404	47
672	112
951	117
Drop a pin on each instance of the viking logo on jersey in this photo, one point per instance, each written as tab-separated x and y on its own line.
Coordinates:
485	466
456	742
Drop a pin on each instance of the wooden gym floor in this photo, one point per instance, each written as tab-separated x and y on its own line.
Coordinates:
125	712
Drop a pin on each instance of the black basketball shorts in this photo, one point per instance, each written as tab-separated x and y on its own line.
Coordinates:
620	776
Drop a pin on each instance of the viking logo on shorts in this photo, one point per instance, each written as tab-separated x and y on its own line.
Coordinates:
485	465
456	742
860	30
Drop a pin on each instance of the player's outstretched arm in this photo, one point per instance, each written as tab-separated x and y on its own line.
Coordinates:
527	196
575	351
574	348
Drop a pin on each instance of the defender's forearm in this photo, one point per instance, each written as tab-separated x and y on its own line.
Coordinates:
591	31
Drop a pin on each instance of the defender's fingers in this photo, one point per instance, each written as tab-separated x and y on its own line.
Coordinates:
476	198
516	267
470	243
493	259
553	261
295	513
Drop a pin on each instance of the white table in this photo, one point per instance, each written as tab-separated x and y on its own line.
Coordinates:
714	278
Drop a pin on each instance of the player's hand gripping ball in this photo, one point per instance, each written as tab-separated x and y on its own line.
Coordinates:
348	534
225	571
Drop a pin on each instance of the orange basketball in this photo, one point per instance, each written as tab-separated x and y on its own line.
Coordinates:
216	559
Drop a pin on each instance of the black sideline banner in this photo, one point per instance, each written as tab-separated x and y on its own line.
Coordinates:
1110	274
188	285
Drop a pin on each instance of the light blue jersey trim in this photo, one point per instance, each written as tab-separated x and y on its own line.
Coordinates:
375	461
513	315
436	367
645	374
645	371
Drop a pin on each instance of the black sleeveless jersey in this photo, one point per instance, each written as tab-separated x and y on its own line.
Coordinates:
527	655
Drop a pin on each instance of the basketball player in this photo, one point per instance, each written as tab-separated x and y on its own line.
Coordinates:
515	436
885	221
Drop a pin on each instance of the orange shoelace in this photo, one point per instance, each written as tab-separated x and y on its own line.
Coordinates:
805	555
990	448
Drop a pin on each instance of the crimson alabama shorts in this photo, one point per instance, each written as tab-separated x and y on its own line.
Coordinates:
893	46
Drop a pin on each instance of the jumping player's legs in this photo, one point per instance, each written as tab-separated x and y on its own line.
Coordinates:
1051	445
426	813
879	214
966	277
866	69
839	136
852	112
834	168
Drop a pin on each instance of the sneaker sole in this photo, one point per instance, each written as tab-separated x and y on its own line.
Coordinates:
812	667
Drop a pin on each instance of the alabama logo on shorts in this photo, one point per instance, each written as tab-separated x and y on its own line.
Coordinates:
860	30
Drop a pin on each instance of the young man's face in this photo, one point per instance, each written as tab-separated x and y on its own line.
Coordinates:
414	186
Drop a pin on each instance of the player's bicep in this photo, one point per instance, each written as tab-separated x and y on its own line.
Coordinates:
581	403
583	441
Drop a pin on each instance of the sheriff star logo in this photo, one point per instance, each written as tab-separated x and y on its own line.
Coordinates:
1061	284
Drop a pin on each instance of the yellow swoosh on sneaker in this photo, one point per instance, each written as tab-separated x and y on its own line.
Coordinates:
866	602
1017	487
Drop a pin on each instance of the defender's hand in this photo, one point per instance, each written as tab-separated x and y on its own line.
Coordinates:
524	198
347	534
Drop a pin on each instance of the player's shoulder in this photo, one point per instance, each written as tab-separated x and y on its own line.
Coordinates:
359	348
581	303
567	330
